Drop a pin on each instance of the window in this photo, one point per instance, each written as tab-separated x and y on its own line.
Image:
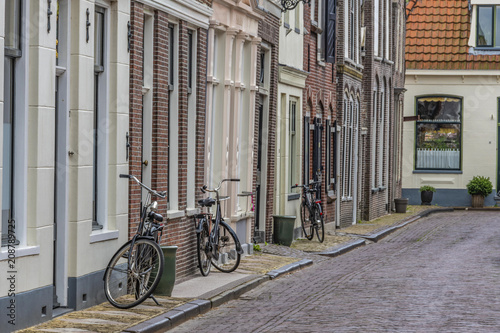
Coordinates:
173	119
294	137
348	128
438	141
488	26
297	19
190	57
191	106
380	138
13	53
330	28
374	137
100	120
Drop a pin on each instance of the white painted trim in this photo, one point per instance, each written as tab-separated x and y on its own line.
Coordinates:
191	123
192	211
187	10
468	72
173	214
484	2
103	235
173	149
21	252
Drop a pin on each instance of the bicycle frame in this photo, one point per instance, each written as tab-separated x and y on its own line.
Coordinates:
214	229
152	231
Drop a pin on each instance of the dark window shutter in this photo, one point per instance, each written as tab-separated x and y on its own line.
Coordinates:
331	18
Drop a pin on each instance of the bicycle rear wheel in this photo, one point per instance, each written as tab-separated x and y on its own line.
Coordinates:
229	258
319	225
203	248
305	218
133	273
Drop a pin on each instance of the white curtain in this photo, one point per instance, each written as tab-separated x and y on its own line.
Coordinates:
438	158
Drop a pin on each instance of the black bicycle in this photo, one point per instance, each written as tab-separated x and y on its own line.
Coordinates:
311	213
217	243
136	268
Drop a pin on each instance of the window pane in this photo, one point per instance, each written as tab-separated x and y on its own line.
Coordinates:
439	133
485	26
439	108
99	39
190	59
7	144
438	146
12	23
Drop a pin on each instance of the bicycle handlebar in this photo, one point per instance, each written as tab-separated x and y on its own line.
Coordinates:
306	185
161	194
205	189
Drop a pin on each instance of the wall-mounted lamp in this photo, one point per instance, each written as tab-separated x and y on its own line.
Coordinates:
291	4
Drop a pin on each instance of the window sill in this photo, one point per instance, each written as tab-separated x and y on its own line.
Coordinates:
297	30
382	188
293	196
346	199
20	252
174	214
103	235
438	171
241	216
375	190
192	211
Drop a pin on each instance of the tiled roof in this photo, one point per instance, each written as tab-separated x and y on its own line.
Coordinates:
437	35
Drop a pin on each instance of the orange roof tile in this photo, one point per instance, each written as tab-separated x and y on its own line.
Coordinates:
437	35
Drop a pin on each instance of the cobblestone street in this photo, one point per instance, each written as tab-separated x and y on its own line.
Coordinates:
438	274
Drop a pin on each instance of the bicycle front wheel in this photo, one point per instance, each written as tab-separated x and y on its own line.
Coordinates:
229	258
319	224
203	248
133	273
305	218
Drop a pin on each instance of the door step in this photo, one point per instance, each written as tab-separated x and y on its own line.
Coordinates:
60	311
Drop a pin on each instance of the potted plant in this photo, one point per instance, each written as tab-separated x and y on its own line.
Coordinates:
479	187
426	194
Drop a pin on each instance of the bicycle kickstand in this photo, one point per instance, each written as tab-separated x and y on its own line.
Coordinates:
154	299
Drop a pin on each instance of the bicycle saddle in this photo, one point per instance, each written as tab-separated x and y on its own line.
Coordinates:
207	202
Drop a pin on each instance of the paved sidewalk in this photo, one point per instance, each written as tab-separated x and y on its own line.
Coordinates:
199	294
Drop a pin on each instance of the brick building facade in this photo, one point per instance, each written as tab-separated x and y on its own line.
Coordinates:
265	122
319	101
167	116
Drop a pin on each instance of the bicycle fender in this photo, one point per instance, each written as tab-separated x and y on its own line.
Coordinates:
231	231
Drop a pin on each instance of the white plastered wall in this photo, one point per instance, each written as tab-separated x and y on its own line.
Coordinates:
480	91
90	251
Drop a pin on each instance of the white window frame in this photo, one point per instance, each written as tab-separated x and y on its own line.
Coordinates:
173	128
374	137
101	167
20	127
192	106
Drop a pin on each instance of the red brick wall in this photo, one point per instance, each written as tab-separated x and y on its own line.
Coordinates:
179	231
320	90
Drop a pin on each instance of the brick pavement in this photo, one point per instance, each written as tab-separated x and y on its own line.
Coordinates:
439	274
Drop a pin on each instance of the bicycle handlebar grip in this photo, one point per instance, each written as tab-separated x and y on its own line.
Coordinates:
203	188
125	176
234	180
296	185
